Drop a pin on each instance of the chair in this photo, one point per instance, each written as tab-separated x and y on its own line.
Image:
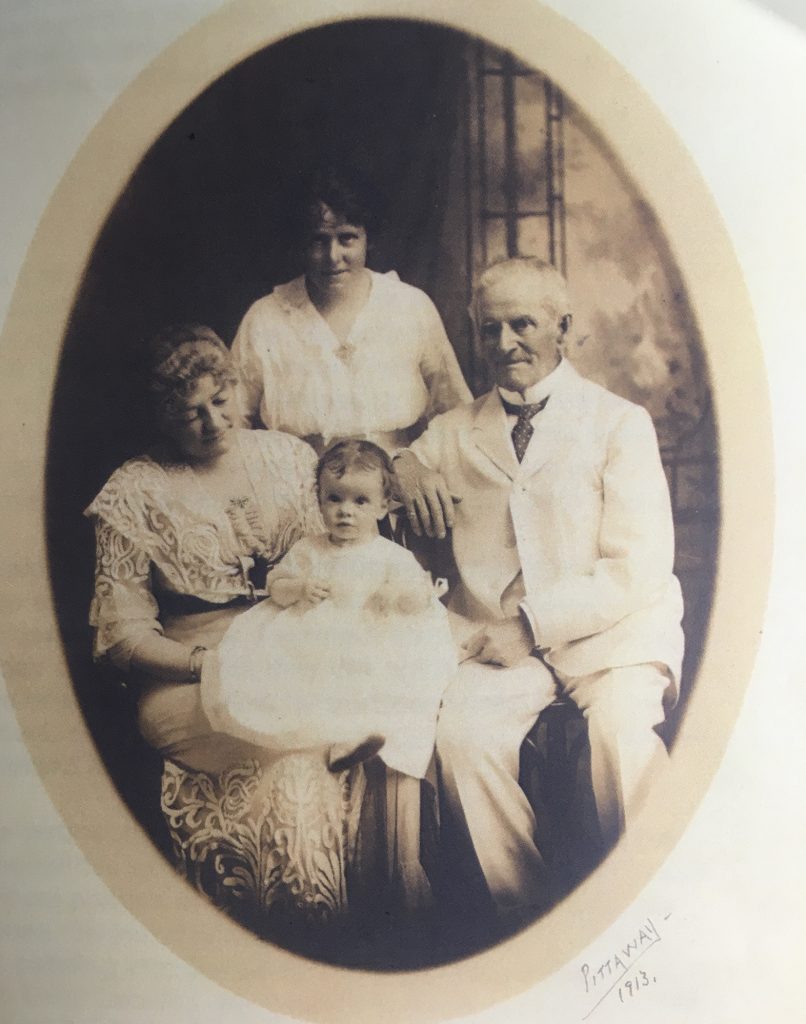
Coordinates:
555	775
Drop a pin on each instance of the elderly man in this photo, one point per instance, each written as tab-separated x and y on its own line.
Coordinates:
563	540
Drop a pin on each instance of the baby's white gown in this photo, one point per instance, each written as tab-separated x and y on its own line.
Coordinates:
372	658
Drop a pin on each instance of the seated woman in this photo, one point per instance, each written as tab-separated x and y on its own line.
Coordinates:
344	351
184	537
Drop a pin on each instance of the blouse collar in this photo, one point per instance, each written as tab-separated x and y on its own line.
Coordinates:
294	295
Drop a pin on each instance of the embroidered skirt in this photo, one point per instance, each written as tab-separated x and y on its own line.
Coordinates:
268	843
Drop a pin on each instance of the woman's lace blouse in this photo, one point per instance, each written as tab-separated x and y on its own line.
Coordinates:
396	370
158	531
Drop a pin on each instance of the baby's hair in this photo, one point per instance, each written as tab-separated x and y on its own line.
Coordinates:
356	454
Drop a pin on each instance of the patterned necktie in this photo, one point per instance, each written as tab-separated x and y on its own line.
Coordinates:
523	429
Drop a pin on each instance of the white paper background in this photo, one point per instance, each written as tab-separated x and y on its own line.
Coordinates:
731	79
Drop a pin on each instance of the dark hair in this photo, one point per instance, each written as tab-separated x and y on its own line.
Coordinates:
347	193
356	454
178	356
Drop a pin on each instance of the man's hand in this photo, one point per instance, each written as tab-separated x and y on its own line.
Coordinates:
500	643
429	503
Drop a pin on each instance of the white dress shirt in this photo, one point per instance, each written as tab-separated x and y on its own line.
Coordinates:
534	394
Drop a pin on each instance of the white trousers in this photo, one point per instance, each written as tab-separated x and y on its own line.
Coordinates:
487	712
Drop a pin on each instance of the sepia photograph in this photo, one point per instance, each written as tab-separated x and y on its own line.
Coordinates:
391	512
342	243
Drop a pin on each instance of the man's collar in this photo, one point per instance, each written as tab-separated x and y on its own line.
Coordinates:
537	392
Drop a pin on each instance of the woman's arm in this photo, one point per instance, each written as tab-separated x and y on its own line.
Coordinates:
124	613
249	368
438	364
160	658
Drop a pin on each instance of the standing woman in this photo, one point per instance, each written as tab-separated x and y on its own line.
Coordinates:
184	537
344	351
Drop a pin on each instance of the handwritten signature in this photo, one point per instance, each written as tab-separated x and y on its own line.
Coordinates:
611	974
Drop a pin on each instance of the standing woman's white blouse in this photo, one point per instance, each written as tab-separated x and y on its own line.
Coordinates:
395	372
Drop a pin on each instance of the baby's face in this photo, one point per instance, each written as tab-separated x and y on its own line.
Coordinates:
352	504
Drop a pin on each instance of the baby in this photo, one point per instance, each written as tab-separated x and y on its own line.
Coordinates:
352	651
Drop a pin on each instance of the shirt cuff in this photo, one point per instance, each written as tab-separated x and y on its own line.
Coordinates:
531	622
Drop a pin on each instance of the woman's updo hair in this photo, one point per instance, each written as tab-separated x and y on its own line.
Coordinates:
343	456
178	357
346	193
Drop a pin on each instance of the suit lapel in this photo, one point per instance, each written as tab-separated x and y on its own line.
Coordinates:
557	426
491	435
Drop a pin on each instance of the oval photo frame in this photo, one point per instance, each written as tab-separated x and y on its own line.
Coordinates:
33	662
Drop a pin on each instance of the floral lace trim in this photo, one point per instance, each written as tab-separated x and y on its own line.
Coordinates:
261	840
247	523
156	515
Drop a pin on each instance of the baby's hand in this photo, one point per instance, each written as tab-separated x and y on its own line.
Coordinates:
401	597
314	591
288	592
380	602
414	598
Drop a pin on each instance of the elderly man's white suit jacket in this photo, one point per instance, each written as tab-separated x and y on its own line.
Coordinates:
580	532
